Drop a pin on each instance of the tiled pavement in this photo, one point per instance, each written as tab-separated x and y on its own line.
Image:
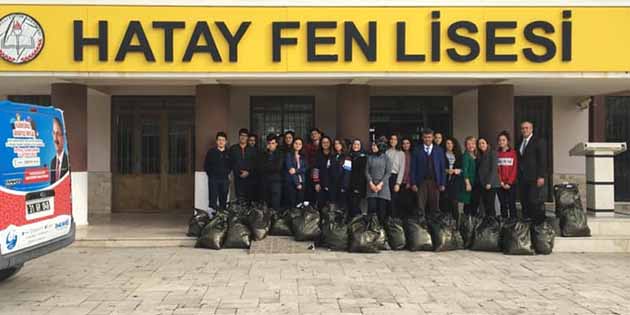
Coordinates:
196	281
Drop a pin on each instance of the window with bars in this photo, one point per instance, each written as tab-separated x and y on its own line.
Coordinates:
618	130
153	133
408	115
278	114
538	110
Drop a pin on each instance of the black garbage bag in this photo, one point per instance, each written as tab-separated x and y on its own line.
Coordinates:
543	236
306	224
238	235
487	235
444	233
335	231
573	222
197	222
327	211
239	208
281	223
570	212
259	222
214	233
516	238
417	234
365	231
555	222
382	242
467	228
395	233
566	196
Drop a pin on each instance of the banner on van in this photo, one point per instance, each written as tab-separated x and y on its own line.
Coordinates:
35	188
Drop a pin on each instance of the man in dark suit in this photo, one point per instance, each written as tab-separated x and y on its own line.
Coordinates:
428	175
532	169
59	164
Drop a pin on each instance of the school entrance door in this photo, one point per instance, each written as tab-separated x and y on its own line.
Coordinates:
153	153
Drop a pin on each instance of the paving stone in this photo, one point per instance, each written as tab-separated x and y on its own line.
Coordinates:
185	281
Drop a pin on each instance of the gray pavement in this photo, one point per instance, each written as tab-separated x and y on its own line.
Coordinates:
196	281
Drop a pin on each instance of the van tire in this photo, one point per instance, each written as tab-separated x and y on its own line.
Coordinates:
7	273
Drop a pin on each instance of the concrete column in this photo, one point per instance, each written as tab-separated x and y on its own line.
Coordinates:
465	122
353	112
72	99
496	110
211	116
99	152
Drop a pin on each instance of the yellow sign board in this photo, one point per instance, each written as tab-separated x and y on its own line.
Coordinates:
312	39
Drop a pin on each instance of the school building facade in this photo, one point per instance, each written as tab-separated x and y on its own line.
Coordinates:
146	85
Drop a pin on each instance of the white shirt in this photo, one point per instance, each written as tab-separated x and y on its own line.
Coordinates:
428	149
525	143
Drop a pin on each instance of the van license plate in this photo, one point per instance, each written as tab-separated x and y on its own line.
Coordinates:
40	204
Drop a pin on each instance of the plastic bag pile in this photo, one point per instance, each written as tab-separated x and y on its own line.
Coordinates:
234	227
331	228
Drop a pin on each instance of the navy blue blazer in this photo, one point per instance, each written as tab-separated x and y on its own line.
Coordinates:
419	165
300	172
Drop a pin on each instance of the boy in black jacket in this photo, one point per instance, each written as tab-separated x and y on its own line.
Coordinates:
218	167
270	169
243	157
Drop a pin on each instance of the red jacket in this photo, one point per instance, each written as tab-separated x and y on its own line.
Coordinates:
310	150
508	166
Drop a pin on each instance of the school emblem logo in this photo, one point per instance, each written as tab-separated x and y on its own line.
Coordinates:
21	38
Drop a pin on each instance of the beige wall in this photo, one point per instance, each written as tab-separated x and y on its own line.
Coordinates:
465	115
325	106
570	126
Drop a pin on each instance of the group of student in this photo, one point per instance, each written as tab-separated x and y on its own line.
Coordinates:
396	176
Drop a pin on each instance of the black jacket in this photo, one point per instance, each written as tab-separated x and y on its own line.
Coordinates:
487	169
532	164
242	160
53	168
217	164
358	182
271	165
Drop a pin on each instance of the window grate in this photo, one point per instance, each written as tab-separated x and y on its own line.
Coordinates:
278	114
618	130
153	134
408	115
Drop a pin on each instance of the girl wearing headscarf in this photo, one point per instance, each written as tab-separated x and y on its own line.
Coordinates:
377	173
